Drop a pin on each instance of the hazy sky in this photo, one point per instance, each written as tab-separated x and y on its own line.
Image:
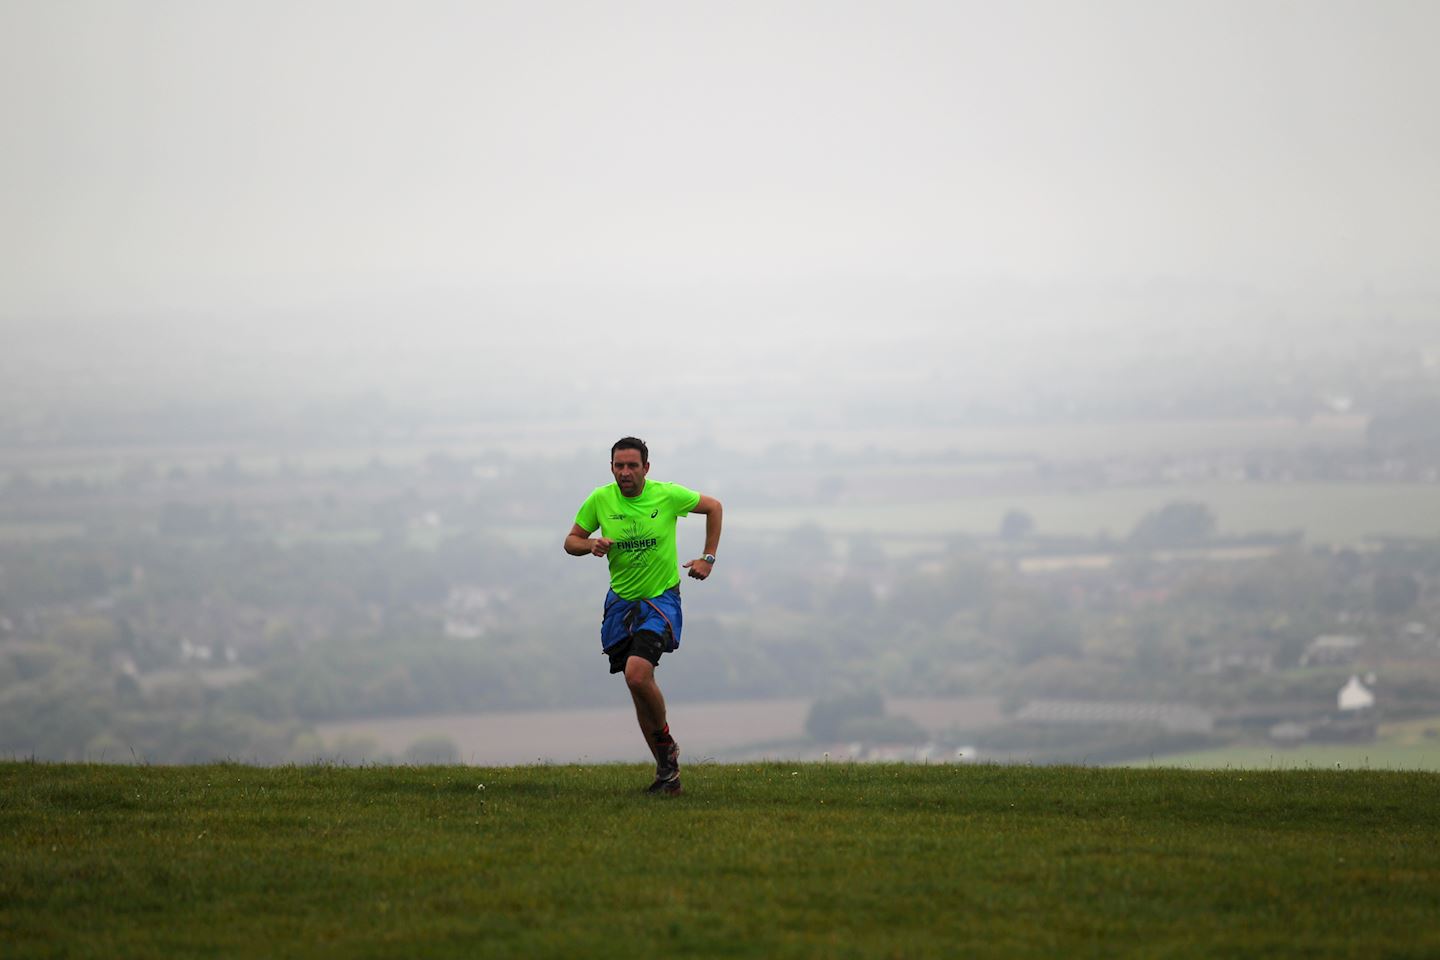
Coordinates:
164	154
435	195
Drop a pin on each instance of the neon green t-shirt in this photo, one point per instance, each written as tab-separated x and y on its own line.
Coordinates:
643	560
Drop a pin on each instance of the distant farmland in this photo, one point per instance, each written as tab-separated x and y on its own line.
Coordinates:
1056	441
1407	745
705	729
1324	512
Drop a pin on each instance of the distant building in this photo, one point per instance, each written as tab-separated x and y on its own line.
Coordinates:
194	651
1354	720
1235	663
1355	695
1331	649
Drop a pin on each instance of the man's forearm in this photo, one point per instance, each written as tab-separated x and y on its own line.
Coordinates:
712	529
578	546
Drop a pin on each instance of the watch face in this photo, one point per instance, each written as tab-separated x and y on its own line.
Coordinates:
709	558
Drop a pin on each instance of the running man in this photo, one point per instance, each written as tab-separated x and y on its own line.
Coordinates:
636	519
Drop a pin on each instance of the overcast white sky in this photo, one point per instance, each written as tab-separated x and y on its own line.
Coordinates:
167	152
289	158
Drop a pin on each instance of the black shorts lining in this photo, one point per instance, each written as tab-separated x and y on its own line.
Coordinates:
643	643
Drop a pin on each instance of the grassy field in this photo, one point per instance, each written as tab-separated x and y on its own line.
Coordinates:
1348	756
770	860
1409	745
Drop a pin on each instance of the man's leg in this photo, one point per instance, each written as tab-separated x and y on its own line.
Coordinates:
649	701
650	714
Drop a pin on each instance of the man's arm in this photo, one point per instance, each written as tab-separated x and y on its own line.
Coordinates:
578	543
714	514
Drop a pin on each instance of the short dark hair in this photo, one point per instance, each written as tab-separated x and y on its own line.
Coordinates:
631	443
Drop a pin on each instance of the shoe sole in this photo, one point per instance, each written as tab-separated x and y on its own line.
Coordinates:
665	790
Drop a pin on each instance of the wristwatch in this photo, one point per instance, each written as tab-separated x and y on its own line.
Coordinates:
709	558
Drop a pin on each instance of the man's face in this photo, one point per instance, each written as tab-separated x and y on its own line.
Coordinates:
629	471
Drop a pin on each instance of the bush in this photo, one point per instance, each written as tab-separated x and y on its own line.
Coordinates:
1178	524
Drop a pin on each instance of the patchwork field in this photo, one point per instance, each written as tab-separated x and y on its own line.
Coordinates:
607	734
1324	512
1063	441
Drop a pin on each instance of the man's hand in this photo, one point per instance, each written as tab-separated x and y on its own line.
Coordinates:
579	544
699	569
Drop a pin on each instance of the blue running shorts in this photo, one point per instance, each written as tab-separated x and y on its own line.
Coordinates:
625	618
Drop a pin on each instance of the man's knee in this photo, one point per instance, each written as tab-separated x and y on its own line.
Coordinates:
639	672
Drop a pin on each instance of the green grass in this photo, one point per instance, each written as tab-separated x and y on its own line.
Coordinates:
1352	756
1407	745
769	860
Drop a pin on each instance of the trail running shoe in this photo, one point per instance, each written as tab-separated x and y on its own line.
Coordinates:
666	787
667	771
